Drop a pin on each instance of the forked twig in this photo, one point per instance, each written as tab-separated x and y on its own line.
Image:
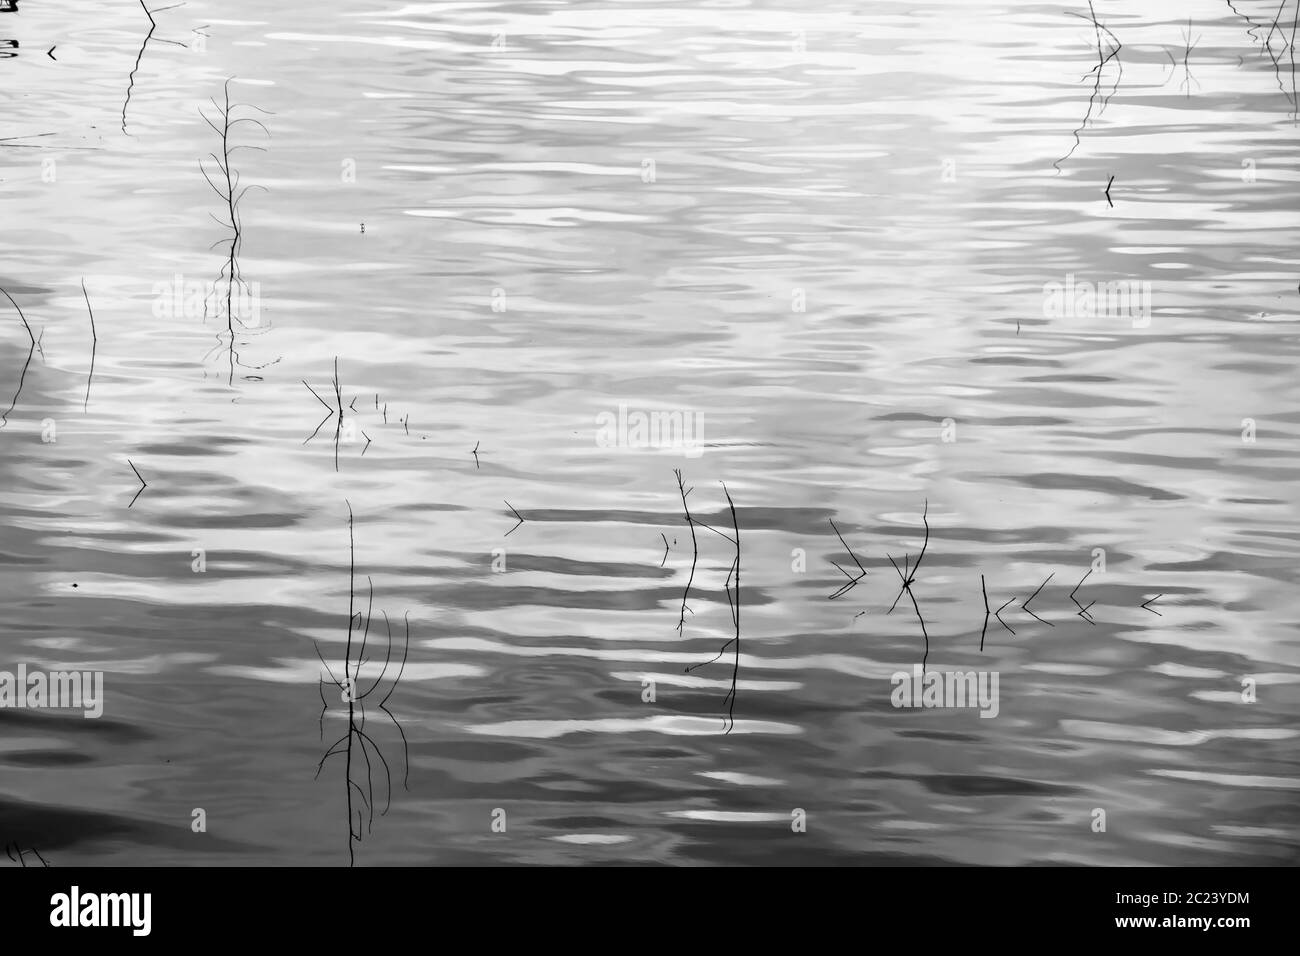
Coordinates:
143	484
1189	45
517	515
998	615
907	575
1024	605
335	412
853	580
1083	611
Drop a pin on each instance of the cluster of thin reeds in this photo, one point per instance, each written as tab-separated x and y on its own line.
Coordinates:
731	587
225	181
357	745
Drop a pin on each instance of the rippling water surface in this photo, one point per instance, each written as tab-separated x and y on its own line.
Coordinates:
825	230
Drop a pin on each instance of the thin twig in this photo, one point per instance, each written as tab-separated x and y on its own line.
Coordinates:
94	346
517	515
908	578
4	419
998	615
335	412
355	698
228	190
143	484
735	612
1083	611
853	581
1098	70
984	629
695	550
1025	604
731	587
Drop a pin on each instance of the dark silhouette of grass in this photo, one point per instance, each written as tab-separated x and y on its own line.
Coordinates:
695	550
405	422
998	615
1289	49
227	187
1097	72
8	141
143	484
356	738
517	515
22	377
94	346
984	629
853	580
21	859
1024	605
334	411
1083	611
732	589
1188	46
908	578
153	25
1278	27
1251	25
733	576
